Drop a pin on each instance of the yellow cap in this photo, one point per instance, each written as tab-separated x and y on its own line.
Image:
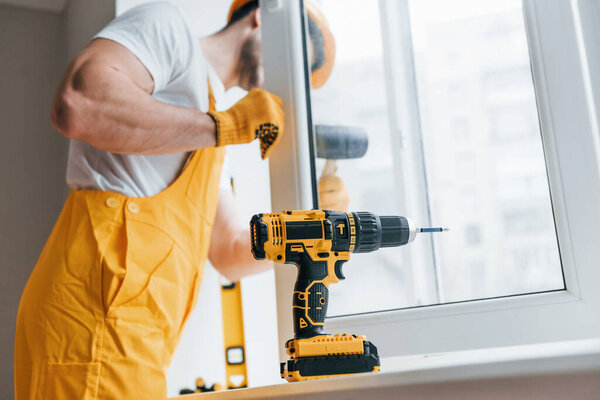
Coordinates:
321	74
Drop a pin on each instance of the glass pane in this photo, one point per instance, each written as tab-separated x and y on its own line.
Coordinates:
470	157
484	150
355	96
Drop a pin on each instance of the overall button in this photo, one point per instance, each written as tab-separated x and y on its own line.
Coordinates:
112	202
134	208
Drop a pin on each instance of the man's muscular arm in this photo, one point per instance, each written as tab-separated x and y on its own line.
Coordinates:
229	250
104	99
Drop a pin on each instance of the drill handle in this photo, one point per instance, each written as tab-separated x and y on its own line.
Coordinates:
311	292
309	307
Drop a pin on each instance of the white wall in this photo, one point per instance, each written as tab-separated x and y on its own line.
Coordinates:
82	19
32	158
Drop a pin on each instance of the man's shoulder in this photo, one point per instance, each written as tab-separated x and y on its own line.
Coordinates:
157	20
155	10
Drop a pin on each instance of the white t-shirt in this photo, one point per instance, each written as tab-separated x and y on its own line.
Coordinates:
159	36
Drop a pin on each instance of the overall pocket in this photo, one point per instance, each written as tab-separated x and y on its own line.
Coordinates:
127	272
71	381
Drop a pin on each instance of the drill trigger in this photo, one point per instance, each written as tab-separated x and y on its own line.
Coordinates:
338	269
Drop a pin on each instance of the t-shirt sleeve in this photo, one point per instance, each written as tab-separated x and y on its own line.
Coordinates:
158	35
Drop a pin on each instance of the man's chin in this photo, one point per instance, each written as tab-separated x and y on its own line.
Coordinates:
249	86
253	82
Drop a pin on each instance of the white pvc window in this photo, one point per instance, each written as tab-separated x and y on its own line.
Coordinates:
465	149
469	156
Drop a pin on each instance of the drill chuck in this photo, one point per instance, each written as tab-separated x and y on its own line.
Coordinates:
374	231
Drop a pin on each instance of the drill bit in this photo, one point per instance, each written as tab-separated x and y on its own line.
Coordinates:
430	230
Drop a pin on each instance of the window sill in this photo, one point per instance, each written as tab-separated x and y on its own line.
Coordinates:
543	371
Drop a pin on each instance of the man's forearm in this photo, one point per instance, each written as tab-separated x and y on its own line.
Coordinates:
104	99
239	262
230	251
113	114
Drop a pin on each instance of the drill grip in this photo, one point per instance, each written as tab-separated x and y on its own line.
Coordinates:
311	297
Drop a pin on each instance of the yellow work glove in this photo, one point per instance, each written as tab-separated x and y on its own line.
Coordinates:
257	115
332	190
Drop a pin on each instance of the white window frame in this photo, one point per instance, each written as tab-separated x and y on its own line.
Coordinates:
564	45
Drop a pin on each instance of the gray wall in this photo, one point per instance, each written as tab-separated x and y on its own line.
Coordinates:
82	19
32	157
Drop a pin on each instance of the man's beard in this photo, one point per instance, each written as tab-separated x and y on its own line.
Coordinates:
250	67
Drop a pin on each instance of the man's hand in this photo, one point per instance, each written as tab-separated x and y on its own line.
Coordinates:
332	190
230	250
257	115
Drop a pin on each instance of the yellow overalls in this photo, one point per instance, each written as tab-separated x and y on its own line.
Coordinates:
104	308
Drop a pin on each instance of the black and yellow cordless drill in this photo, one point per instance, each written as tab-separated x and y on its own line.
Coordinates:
319	242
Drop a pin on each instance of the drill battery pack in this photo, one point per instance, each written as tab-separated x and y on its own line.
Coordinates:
325	356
